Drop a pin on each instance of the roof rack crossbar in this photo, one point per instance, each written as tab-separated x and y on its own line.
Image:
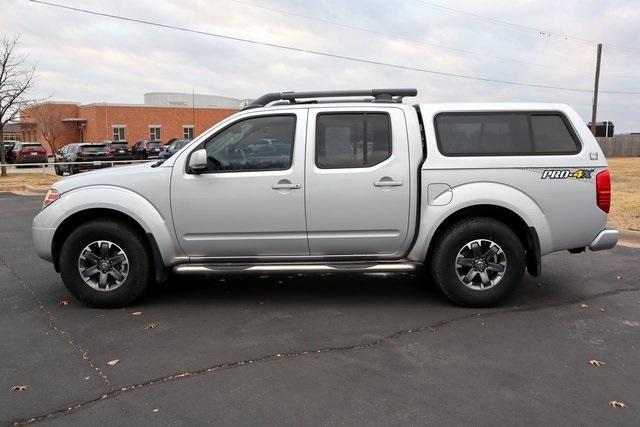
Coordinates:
379	95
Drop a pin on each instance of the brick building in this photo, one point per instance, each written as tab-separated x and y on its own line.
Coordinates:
68	122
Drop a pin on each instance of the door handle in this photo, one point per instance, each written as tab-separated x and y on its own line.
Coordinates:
389	183
286	186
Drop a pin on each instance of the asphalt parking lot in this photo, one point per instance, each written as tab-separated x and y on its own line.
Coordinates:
319	349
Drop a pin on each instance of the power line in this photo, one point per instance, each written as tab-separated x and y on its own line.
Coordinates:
398	37
320	53
503	22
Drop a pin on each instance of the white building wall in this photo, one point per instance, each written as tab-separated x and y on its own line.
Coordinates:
187	99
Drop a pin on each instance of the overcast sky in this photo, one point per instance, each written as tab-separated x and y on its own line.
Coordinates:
89	59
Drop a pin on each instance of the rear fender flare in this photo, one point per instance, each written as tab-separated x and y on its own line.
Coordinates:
481	193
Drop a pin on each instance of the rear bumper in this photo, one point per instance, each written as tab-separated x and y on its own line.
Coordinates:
28	160
606	239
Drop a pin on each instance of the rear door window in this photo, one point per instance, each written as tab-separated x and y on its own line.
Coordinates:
352	140
504	134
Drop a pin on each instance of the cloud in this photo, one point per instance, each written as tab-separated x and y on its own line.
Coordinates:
93	59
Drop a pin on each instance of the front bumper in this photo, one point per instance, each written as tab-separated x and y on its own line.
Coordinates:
42	241
606	239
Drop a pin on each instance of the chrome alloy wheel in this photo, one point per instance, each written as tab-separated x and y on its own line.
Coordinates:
480	264
103	265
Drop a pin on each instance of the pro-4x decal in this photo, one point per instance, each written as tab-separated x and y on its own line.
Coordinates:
567	173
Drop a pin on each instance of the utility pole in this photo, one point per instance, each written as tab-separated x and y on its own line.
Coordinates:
193	110
595	91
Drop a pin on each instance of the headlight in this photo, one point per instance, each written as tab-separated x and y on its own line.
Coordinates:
51	196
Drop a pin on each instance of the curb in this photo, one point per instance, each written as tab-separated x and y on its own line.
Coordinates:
630	237
35	189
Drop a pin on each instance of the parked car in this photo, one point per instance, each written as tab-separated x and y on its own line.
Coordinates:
90	156
173	147
8	150
28	152
143	150
474	193
120	150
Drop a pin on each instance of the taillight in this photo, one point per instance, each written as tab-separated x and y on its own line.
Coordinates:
51	196
603	190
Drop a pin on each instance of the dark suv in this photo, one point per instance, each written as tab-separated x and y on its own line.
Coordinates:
147	149
120	150
88	154
28	152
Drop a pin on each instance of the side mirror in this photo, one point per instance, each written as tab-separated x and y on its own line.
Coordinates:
198	160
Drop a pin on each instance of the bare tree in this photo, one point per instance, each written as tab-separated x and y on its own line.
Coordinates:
16	80
49	123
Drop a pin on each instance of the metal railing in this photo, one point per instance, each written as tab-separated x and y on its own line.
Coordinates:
44	166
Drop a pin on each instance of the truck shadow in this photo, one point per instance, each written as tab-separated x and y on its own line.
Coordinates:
316	289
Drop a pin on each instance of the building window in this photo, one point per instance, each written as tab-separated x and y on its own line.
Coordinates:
154	133
187	132
118	133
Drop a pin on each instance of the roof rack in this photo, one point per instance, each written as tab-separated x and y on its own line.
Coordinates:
379	95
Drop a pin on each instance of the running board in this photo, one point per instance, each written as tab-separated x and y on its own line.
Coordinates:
361	267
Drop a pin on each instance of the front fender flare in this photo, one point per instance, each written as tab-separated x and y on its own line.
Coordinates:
118	199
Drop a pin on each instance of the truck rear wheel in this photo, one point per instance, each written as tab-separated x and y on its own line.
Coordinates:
105	263
477	262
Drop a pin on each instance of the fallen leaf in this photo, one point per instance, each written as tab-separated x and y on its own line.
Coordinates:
595	362
155	410
602	309
65	302
616	404
150	325
619	276
136	313
584	306
20	387
113	362
260	302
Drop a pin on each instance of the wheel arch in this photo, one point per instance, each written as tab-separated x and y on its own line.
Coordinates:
91	214
527	234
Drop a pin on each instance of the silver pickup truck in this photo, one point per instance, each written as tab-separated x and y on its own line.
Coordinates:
340	181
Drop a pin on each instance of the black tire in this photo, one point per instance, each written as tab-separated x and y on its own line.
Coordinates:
58	170
445	270
140	267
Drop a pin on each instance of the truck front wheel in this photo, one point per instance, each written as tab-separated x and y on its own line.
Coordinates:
105	263
477	262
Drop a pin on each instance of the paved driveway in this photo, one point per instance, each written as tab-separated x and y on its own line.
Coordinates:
319	349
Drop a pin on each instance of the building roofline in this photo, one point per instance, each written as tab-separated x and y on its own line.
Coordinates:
108	104
54	102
